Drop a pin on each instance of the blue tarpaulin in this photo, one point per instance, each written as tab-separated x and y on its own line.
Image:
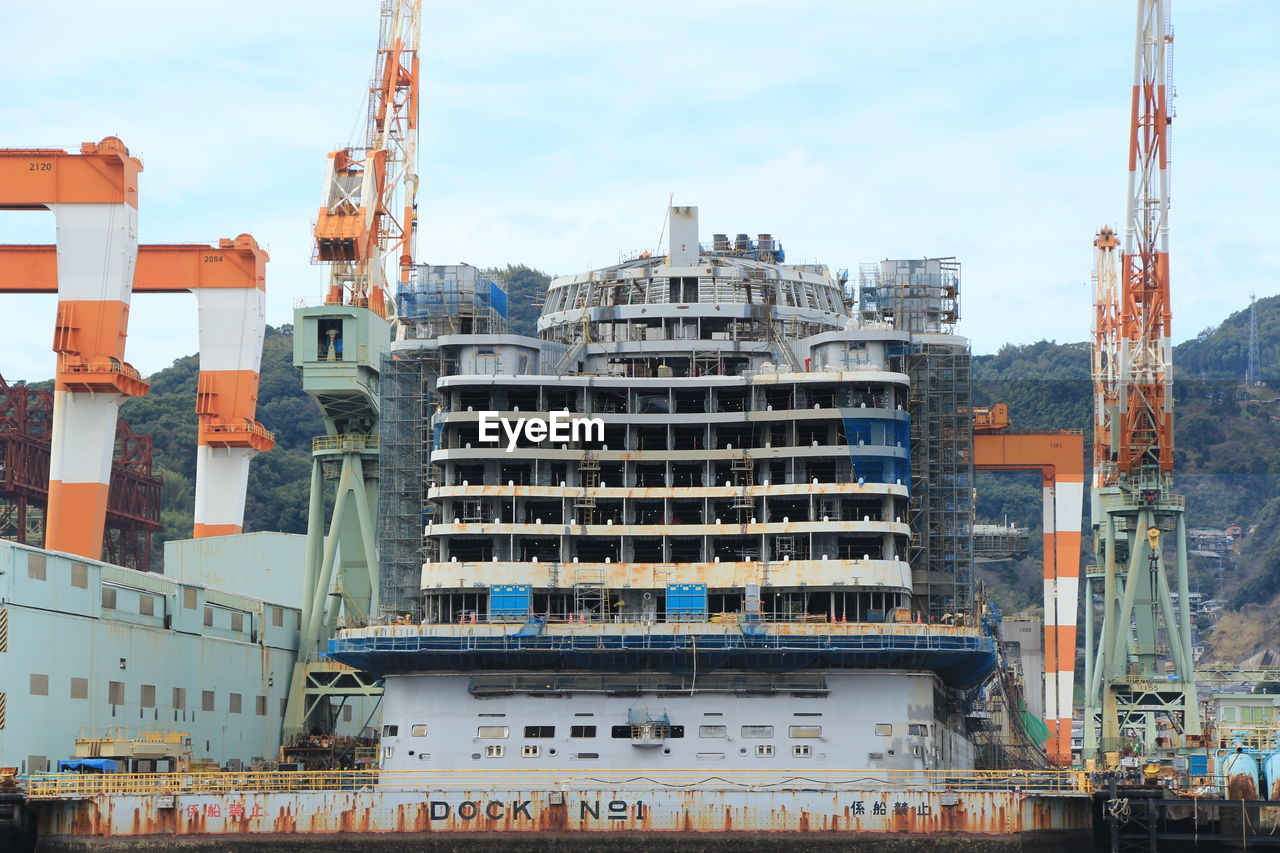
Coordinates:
88	765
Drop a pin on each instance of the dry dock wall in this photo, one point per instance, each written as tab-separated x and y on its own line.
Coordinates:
462	819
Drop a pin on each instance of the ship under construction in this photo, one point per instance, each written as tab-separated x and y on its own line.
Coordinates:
763	524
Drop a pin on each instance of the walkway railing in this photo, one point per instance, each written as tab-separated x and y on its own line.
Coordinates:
55	786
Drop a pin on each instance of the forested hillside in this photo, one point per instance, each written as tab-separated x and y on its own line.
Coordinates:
1227	445
278	480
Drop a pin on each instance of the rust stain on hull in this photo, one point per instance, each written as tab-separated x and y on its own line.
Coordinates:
909	812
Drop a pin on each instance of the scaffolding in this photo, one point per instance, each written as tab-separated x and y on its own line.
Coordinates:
918	295
452	299
407	395
942	505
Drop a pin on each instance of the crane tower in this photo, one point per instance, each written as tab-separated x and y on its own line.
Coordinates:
1139	679
365	225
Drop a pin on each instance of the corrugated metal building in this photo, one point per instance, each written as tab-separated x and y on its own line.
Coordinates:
85	646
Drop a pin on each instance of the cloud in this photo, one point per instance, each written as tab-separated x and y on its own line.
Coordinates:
553	133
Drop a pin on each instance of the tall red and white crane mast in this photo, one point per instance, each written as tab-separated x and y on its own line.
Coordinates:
1145	439
1139	668
370	192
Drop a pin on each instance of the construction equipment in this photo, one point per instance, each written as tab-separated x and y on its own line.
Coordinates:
1059	457
366	223
94	269
1140	675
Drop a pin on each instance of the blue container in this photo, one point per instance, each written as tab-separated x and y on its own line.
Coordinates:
687	599
511	600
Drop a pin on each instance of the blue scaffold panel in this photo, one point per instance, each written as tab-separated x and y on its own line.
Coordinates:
687	599
511	600
498	296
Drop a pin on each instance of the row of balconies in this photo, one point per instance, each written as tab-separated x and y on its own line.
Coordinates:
829	469
831	432
680	400
608	546
588	509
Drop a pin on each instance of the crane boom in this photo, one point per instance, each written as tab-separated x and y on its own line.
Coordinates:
1140	680
370	191
1145	446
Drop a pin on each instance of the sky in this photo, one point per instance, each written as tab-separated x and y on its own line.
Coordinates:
554	133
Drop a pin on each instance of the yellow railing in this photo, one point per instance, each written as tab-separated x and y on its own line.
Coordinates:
352	442
104	367
53	786
249	427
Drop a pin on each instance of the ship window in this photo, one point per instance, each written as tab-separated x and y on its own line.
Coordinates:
539	731
179	698
802	751
206	700
260	705
109	597
806	731
884	729
390	731
115	692
35	567
80	575
147	696
494	751
346	713
419	730
492	731
39	685
237	621
918	729
208	615
233	703
713	731
757	731
146	605
189	597
529	751
764	750
387	752
587	755
582	731
277	617
807	714
79	688
711	756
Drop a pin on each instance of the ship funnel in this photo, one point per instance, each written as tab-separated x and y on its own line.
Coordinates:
683	251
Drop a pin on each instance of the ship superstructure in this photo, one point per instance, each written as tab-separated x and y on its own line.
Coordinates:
684	510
